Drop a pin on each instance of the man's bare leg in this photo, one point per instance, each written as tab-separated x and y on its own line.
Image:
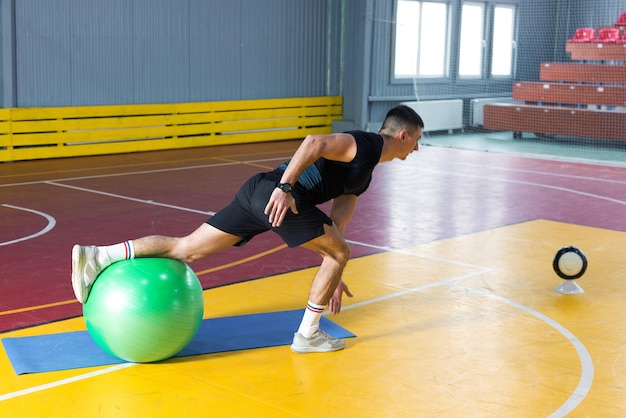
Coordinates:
335	253
203	242
89	261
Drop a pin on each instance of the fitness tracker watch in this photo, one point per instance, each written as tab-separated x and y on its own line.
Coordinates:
285	187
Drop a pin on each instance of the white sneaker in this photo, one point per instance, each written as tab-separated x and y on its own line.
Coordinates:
85	270
319	342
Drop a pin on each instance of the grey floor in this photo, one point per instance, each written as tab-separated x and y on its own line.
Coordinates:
552	147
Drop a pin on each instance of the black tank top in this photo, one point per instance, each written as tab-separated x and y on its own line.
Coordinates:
325	179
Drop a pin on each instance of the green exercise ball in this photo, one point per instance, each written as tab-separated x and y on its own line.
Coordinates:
145	309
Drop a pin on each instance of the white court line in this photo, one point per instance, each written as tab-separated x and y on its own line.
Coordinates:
585	358
565	189
529	183
587	372
67	381
51	223
411	290
156	170
553	158
80	377
542	173
211	213
133	199
569	405
167	170
414	254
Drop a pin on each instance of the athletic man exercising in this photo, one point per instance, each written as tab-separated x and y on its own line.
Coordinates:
335	167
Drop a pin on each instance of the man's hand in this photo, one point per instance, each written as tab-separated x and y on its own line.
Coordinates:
334	305
278	205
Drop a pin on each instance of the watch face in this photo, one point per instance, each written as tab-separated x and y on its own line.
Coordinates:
285	187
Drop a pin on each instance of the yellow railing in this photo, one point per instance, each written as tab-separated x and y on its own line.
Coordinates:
37	133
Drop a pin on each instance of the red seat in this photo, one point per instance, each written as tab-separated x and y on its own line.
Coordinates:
583	35
607	35
621	21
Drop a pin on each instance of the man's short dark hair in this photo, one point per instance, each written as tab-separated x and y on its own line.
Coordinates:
402	116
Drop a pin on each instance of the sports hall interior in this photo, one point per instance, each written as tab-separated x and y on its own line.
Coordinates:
126	118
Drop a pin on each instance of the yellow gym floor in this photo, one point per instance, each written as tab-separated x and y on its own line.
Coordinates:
465	327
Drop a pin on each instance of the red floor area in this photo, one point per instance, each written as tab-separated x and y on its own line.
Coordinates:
434	194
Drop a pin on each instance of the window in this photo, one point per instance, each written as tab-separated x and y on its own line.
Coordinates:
407	38
420	39
472	40
486	39
503	46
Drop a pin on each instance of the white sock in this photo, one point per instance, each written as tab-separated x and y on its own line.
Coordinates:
311	319
110	254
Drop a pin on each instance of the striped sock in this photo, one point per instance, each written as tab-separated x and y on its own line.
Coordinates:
117	252
311	319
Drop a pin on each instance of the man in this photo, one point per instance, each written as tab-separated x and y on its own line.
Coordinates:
335	167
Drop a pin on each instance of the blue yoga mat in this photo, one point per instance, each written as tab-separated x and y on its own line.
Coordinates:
73	350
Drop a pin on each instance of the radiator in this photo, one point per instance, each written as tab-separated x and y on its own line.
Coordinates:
439	115
476	108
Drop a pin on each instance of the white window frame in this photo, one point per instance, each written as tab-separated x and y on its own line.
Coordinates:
482	41
513	40
419	47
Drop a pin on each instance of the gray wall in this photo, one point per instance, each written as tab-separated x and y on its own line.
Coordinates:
95	52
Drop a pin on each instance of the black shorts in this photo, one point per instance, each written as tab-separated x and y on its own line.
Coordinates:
244	217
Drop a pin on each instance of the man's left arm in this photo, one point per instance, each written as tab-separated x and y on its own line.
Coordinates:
341	212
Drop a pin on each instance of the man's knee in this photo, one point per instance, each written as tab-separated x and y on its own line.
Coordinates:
344	252
331	246
340	252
